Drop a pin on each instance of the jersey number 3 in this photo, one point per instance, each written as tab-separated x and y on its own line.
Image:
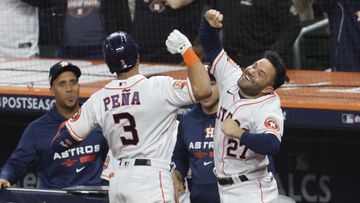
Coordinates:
127	128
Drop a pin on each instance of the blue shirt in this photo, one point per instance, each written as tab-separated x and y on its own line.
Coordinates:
344	20
83	24
78	166
194	150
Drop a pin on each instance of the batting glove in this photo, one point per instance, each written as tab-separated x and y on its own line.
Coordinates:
177	42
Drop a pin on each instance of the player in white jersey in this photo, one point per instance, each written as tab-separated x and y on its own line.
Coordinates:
138	119
249	122
111	163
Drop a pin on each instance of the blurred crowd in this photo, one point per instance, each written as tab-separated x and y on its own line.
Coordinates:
76	29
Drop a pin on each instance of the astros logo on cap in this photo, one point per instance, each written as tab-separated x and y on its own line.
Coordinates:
64	63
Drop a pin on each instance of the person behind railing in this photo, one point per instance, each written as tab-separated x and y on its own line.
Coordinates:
154	19
344	20
77	29
19	29
254	26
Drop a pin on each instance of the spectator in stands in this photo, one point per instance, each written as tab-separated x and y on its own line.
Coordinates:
80	166
344	19
19	29
154	19
304	9
80	27
254	26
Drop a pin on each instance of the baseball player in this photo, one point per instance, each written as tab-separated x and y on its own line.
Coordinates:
138	118
111	163
78	166
249	122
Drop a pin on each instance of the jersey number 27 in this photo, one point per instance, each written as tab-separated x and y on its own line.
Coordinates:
233	145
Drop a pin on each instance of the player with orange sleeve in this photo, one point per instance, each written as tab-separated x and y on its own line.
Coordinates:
138	119
249	123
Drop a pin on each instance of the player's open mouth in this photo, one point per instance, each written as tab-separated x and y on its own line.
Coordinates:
71	98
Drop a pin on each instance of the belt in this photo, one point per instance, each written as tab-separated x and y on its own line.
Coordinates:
137	162
142	162
146	162
229	180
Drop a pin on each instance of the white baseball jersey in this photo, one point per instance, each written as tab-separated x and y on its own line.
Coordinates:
111	164
19	29
260	115
137	115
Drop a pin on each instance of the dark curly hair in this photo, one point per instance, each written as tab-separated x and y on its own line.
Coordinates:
279	65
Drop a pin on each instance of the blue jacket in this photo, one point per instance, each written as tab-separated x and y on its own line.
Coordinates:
194	150
79	166
344	19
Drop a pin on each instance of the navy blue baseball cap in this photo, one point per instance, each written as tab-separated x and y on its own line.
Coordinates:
60	67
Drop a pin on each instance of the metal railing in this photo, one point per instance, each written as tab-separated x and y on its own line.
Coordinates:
304	31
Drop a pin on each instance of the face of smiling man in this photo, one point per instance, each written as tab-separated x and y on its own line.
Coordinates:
257	79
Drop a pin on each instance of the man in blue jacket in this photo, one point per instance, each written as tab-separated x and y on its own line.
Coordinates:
344	20
78	166
194	149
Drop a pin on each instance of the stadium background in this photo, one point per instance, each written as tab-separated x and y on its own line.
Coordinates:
317	161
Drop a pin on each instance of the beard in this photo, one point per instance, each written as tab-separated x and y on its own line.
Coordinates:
248	87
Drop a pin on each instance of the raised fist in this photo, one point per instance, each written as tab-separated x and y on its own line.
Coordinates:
214	18
177	42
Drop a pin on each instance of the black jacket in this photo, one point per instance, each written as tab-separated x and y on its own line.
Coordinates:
253	26
115	13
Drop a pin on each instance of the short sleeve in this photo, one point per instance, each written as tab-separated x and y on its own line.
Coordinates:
269	122
84	121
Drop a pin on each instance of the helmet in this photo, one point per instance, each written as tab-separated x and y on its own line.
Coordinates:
120	52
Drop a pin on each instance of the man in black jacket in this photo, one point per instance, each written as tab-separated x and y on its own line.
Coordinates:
254	26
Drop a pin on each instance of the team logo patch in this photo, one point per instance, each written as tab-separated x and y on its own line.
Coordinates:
157	6
209	131
179	84
81	8
272	124
76	116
